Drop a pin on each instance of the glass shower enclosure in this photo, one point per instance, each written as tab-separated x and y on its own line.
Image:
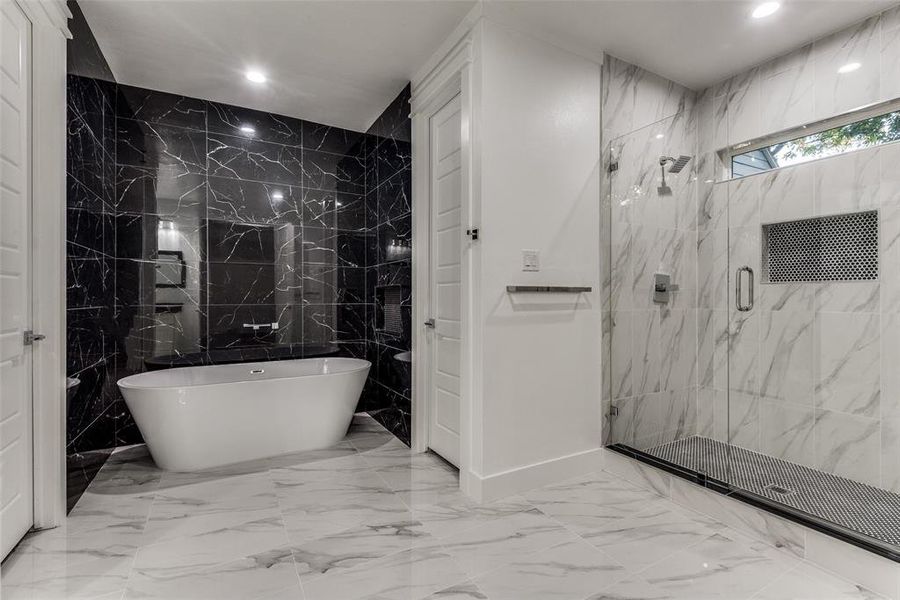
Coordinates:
752	328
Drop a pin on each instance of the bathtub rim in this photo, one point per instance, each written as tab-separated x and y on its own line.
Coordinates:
126	384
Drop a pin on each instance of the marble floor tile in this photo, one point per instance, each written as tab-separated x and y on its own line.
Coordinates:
253	576
162	528
569	571
503	540
638	589
28	575
592	502
190	509
326	466
806	582
72	546
342	551
408	575
369	520
315	509
421	485
456	513
724	566
214	546
462	591
639	541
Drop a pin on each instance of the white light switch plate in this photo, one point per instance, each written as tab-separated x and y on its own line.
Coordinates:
531	260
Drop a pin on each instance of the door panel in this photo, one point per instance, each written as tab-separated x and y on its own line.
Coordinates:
16	488
446	251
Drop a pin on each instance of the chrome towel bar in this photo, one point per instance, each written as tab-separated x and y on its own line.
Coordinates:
558	289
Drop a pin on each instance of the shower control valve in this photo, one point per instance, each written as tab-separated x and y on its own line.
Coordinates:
662	287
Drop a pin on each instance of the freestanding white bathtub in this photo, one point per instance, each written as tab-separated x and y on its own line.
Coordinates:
195	418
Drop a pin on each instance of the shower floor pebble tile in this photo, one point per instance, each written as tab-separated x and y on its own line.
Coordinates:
369	520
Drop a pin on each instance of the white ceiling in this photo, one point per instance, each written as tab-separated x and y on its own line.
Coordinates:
694	42
338	62
341	62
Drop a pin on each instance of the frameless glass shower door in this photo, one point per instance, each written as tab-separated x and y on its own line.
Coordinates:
653	284
809	426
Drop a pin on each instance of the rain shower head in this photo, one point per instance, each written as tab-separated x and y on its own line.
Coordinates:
677	163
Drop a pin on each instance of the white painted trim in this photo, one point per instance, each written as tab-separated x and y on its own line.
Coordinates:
449	74
440	56
421	233
52	13
49	33
514	481
472	411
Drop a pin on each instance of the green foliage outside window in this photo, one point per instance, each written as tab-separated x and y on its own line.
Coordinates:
861	134
874	131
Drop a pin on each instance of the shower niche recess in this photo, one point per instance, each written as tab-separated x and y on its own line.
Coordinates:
833	248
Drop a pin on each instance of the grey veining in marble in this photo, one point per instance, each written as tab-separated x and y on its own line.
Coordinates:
320	526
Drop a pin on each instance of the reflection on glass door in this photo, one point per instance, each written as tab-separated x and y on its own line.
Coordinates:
653	286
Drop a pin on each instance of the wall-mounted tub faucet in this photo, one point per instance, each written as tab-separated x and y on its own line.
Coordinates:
258	326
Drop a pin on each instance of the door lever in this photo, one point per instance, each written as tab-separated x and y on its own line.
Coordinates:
429	323
29	337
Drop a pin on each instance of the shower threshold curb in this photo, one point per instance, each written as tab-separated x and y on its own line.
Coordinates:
760	502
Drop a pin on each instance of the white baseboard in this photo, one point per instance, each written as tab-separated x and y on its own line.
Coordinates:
508	483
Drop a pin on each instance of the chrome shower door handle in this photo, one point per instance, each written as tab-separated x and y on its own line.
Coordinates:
739	288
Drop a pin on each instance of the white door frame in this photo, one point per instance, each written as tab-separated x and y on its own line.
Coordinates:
452	76
48	158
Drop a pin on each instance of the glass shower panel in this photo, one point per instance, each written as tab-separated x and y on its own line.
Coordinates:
751	327
653	286
805	417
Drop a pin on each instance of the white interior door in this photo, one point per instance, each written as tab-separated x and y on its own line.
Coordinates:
446	300
16	486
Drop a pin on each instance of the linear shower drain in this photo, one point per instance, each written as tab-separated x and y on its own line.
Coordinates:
779	489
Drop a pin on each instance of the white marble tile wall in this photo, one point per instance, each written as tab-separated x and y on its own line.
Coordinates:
653	347
812	370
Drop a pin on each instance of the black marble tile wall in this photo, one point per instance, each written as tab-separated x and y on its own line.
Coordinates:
264	217
226	233
90	263
388	197
90	254
200	233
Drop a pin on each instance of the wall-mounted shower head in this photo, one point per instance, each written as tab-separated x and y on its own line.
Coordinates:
677	165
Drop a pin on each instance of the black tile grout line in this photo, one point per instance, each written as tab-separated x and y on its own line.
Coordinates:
766	504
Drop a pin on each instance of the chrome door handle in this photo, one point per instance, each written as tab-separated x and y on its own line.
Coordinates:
738	289
429	323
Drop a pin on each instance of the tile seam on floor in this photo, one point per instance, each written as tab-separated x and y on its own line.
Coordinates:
155	493
290	544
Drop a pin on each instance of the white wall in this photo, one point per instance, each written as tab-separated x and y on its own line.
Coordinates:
538	122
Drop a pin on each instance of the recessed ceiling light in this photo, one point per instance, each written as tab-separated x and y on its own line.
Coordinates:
255	76
765	9
660	136
849	68
247	129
